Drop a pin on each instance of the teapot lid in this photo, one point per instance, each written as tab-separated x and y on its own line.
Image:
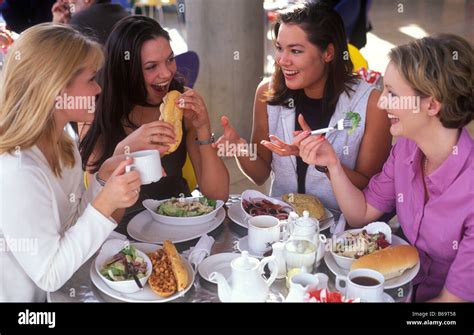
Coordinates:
244	262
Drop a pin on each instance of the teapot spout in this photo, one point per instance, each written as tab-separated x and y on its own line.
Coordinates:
223	289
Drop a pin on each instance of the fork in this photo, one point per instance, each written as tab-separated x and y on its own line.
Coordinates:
340	125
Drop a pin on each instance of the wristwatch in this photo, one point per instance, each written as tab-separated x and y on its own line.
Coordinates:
321	168
99	180
209	141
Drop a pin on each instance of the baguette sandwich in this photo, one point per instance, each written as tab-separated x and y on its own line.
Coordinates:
391	262
172	114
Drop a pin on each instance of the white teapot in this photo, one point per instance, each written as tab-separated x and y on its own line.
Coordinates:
247	283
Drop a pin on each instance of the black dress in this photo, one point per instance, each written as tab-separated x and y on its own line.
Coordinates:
170	186
312	110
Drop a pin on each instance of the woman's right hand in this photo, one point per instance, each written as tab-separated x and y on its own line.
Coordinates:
230	134
61	12
150	136
120	191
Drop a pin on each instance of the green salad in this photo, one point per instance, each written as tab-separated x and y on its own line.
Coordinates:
124	264
355	119
186	208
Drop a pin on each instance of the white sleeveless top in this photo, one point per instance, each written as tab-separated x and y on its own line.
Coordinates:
281	122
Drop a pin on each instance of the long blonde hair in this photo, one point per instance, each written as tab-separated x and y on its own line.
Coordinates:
41	63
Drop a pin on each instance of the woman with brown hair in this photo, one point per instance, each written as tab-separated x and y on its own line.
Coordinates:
312	87
428	94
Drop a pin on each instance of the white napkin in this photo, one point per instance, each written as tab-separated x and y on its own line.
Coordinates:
340	226
201	250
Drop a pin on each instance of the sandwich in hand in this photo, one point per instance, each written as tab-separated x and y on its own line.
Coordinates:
169	272
174	115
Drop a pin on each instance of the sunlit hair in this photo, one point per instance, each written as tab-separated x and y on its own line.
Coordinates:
442	67
39	65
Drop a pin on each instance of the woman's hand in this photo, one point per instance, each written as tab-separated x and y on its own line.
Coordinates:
150	136
230	135
284	149
315	150
120	191
194	109
61	12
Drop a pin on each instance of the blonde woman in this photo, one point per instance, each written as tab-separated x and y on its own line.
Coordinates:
49	224
429	173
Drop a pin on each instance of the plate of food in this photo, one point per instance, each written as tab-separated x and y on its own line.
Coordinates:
236	213
254	203
183	211
171	276
142	227
398	262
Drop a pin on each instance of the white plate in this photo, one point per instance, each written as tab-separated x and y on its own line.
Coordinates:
406	277
387	298
151	205
253	194
238	215
145	295
218	263
143	228
243	244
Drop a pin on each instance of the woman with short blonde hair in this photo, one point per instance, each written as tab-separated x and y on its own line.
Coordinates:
47	78
428	176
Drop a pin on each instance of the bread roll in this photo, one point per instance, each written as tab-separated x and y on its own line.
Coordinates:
172	114
305	202
391	262
179	270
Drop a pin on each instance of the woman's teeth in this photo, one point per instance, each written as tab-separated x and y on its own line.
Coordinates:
393	118
290	72
161	86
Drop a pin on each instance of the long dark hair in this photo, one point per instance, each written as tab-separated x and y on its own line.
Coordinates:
123	87
323	26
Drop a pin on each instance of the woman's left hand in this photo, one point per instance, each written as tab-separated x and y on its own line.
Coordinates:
194	109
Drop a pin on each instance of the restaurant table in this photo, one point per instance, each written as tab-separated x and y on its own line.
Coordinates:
81	289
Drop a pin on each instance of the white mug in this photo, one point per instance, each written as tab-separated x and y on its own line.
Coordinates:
148	164
264	230
365	284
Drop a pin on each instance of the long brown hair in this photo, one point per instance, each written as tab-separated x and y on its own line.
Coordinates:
323	26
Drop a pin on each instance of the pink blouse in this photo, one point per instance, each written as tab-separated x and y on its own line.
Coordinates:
443	229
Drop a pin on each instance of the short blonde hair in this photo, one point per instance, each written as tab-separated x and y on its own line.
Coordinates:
41	63
440	66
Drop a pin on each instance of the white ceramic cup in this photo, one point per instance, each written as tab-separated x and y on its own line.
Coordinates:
148	164
264	230
365	284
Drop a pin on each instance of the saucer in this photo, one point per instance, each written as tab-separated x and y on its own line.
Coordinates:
243	245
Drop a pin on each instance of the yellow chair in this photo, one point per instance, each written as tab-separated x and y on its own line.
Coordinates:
188	174
357	59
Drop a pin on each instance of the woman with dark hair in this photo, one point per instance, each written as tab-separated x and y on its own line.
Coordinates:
313	81
139	71
428	94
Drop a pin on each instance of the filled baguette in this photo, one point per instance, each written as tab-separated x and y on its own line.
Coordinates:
172	114
391	262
